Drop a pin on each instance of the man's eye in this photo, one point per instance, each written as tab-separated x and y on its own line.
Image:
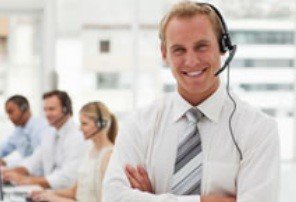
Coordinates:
202	47
178	50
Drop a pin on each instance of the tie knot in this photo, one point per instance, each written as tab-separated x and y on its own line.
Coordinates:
56	137
193	115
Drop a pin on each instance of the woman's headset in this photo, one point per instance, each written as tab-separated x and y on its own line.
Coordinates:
100	122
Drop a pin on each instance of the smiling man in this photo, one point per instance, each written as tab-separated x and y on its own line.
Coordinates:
197	144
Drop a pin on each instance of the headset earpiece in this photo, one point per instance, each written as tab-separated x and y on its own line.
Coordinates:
225	43
23	107
100	122
65	110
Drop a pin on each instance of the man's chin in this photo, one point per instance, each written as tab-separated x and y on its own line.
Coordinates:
51	123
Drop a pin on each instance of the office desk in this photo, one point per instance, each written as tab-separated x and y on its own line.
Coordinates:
18	193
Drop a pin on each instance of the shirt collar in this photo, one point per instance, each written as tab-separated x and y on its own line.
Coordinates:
29	125
62	130
211	107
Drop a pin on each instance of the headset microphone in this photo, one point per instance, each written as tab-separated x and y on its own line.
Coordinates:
23	108
227	61
65	112
94	133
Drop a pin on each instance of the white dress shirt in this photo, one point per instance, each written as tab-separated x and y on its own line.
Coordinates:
150	138
58	156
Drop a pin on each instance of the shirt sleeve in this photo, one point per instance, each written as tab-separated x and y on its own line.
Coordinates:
130	149
33	163
8	145
258	179
13	159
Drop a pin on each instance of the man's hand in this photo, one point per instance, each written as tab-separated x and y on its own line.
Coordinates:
217	199
2	162
45	195
138	178
16	178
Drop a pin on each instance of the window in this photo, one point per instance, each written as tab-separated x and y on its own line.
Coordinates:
263	63
113	80
104	46
262	37
267	87
269	111
107	80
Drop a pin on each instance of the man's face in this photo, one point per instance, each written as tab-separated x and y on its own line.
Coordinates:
192	52
53	110
14	113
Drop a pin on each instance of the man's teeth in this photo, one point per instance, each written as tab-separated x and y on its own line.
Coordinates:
196	73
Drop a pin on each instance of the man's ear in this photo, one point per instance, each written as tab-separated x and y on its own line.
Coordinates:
164	54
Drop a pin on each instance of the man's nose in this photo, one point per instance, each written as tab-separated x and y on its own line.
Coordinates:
191	59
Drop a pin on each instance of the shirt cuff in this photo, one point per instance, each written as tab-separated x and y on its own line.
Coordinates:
52	181
13	160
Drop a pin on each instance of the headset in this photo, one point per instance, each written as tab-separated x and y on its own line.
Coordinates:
100	122
226	45
66	106
66	103
23	107
22	104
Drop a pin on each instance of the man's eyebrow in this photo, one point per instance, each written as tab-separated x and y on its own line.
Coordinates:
203	41
175	46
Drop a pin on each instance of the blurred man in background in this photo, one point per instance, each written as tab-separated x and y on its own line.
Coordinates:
26	135
57	158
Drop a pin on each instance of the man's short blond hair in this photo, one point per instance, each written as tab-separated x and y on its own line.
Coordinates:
187	9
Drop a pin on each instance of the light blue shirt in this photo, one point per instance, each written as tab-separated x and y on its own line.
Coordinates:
24	139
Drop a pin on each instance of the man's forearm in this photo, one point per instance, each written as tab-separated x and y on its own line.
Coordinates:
217	199
20	170
2	162
39	181
67	193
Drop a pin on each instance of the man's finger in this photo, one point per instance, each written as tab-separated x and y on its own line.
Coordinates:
145	181
133	173
133	181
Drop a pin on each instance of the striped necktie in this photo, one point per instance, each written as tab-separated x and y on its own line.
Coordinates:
28	146
188	166
55	152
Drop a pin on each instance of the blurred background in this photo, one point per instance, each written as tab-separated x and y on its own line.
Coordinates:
109	51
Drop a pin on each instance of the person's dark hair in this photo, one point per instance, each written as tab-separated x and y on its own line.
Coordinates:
64	98
21	101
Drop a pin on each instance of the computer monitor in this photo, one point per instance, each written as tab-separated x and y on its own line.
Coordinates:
1	186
